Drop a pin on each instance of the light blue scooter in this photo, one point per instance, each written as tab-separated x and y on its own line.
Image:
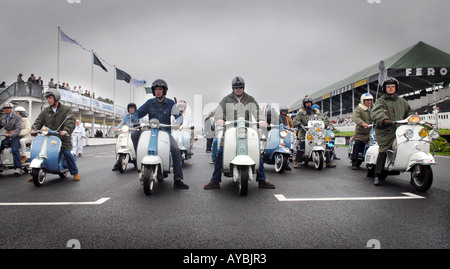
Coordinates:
47	157
277	148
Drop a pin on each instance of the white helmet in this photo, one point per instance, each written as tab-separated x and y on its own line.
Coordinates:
366	96
21	110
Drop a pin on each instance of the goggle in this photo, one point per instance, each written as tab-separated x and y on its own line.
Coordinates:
390	85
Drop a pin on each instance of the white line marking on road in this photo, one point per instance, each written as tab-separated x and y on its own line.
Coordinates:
98	202
409	195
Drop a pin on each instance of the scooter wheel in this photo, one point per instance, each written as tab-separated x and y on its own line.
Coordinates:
38	176
421	177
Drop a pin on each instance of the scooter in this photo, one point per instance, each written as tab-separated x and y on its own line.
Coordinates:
314	143
7	160
154	161
411	153
47	157
183	138
241	152
362	153
329	138
277	148
125	152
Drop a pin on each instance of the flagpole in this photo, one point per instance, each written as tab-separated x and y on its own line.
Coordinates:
92	77
57	60
114	95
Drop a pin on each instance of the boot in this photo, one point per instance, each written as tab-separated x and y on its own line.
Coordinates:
296	165
354	166
377	181
330	165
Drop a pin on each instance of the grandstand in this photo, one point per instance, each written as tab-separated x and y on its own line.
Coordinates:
422	70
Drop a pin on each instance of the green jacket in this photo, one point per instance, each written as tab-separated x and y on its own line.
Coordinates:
392	108
302	118
53	120
360	116
230	109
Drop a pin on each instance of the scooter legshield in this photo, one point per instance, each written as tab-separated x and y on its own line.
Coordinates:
163	148
51	146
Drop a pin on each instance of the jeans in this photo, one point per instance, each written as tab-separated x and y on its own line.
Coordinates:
176	154
15	145
357	148
71	162
218	165
209	142
214	149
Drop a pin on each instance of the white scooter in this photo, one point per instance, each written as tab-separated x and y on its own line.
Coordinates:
183	138
315	143
154	161
241	152
7	159
125	152
411	152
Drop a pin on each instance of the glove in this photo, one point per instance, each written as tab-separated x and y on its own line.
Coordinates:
387	122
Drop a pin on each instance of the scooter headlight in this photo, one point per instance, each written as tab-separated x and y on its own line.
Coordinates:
328	138
434	134
414	119
283	133
423	132
409	134
154	123
242	132
125	128
309	137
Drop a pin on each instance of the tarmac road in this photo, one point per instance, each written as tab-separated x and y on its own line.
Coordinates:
335	208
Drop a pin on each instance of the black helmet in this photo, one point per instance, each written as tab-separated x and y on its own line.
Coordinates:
307	99
391	80
238	82
131	105
159	83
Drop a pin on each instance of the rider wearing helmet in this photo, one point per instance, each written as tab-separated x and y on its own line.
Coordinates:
13	125
387	109
188	122
233	106
127	120
25	132
55	116
361	117
301	119
161	108
284	118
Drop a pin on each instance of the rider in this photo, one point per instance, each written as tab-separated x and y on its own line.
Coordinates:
301	119
388	108
25	132
233	106
187	120
361	117
284	118
127	120
161	108
55	116
13	125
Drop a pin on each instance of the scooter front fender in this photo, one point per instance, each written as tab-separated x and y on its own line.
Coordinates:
422	158
281	150
37	163
151	160
242	160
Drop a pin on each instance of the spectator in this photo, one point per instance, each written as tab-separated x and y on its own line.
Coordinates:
3	85
51	84
209	131
20	79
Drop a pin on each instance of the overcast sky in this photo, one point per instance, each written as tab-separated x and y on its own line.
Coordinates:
283	49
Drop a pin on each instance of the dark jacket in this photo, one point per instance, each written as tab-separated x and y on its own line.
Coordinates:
14	123
392	108
361	115
160	111
302	118
53	120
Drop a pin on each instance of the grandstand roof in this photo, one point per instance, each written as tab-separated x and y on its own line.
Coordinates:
416	67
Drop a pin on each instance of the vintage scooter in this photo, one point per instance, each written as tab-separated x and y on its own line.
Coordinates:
315	143
241	152
277	148
47	157
7	160
125	152
183	138
154	161
362	153
410	153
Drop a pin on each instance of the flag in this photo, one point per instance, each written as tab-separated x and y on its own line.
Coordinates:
138	82
122	75
65	38
97	62
148	90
